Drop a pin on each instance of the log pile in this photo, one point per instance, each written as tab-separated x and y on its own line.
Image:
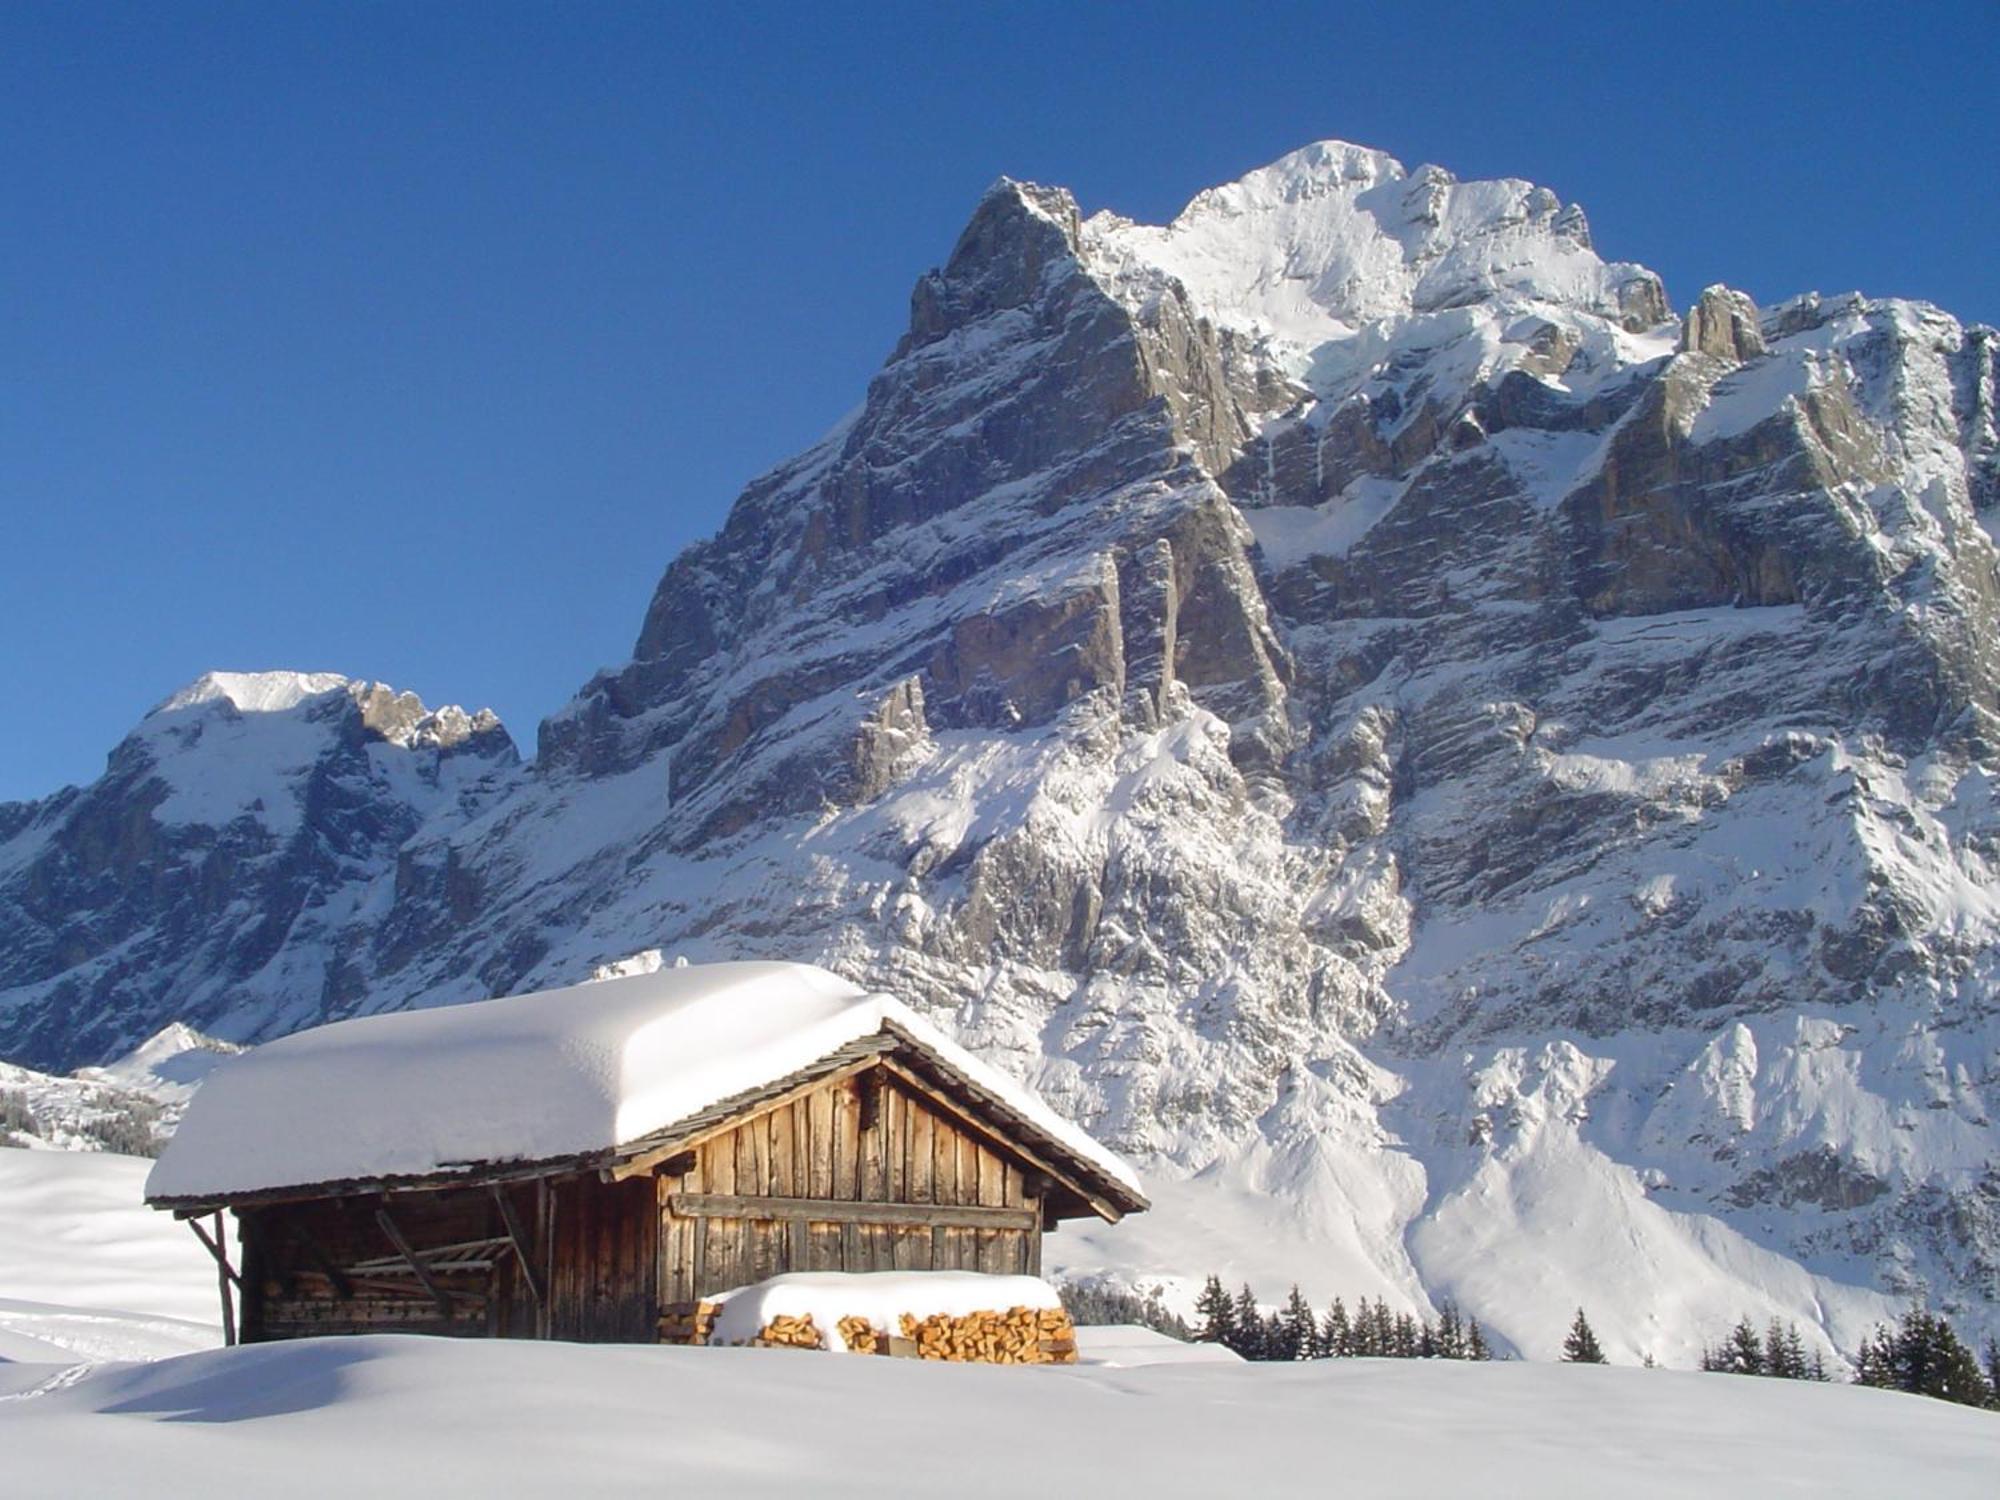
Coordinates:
787	1332
688	1322
860	1337
1019	1336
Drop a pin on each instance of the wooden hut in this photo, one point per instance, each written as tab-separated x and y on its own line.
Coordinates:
589	1163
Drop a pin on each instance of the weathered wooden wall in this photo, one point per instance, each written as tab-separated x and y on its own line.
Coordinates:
606	1238
930	1189
838	1143
595	1245
287	1293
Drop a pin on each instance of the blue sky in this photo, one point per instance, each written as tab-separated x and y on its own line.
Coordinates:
412	341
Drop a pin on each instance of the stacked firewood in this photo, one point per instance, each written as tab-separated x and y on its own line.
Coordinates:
860	1336
688	1322
788	1332
1019	1336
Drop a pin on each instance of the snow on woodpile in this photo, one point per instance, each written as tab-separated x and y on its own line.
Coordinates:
962	1315
540	1076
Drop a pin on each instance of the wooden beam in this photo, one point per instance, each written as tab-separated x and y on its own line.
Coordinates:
438	1294
523	1250
215	1249
846	1211
1007	1144
646	1161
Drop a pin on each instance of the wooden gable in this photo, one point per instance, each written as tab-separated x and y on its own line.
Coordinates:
869	1171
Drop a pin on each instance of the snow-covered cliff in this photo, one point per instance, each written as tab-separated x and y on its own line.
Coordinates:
1483	783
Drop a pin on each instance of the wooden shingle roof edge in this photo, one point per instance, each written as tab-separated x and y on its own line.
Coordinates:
1106	1194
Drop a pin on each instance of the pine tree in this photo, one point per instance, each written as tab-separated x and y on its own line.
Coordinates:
1217	1314
1382	1329
1923	1355
1581	1347
1249	1325
1954	1373
1875	1363
1275	1342
1405	1345
1742	1352
1336	1337
1993	1368
1475	1341
1427	1340
1450	1340
1299	1329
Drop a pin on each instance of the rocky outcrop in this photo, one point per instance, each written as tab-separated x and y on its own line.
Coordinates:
1723	325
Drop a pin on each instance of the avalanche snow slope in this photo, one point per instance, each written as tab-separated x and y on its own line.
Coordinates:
415	1416
87	1272
1482	784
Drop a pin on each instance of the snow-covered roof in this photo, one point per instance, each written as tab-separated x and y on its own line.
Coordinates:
555	1074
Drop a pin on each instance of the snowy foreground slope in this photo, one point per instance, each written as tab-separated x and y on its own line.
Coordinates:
1480	780
87	1272
409	1416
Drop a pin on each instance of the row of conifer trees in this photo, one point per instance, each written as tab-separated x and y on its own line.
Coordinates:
1922	1354
1297	1331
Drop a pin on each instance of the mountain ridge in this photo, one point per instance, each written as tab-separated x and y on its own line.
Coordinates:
1456	767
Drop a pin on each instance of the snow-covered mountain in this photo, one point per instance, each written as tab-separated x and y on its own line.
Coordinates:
1483	783
130	1105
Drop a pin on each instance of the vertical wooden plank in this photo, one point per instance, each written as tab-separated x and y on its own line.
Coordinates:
746	1161
944	1162
758	1134
820	1107
895	1142
874	1181
1011	1190
719	1157
1033	1239
992	1181
643	1320
802	1147
920	1154
668	1273
781	1152
846	1141
968	1168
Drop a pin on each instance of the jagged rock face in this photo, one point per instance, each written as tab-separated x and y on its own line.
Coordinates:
217	866
1358	701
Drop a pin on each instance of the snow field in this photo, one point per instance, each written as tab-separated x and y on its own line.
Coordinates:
87	1272
389	1416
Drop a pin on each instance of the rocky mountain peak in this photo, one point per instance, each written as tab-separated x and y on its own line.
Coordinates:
1482	785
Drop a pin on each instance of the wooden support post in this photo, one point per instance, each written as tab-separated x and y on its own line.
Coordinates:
545	1210
438	1294
224	1273
524	1250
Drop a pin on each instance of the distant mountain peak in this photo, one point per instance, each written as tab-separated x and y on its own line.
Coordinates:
251	692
